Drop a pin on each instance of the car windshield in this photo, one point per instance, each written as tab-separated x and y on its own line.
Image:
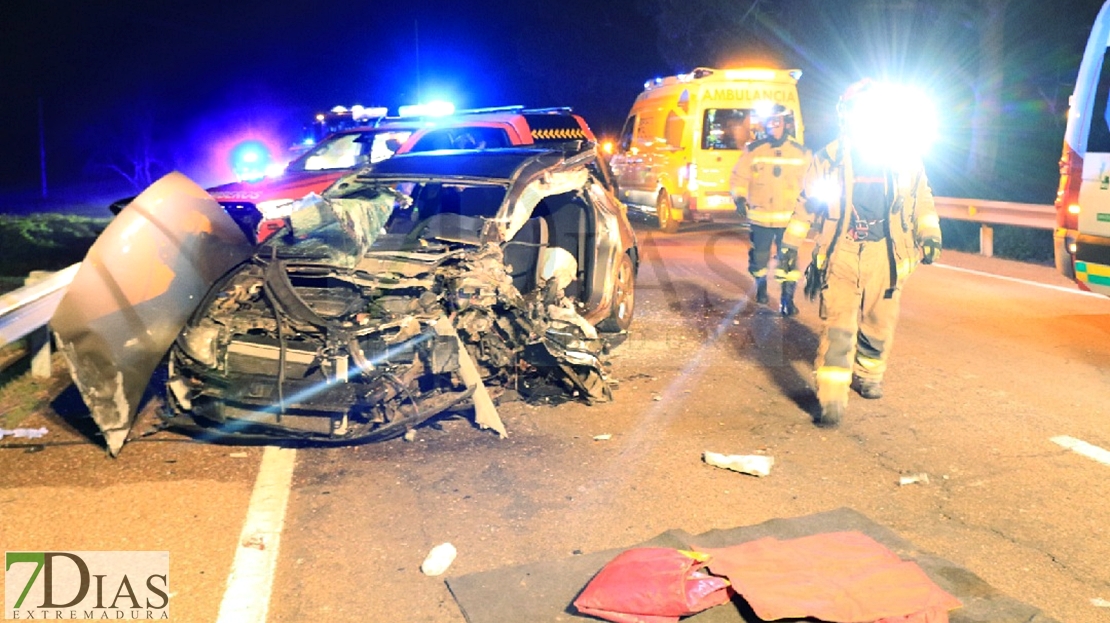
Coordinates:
351	149
391	216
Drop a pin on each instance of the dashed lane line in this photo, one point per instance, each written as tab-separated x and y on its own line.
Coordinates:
247	597
1082	447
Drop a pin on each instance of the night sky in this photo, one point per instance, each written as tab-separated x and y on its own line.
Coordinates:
189	79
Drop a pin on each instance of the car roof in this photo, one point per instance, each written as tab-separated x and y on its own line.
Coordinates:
545	124
492	164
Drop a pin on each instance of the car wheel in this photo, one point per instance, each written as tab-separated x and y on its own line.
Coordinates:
623	301
667	223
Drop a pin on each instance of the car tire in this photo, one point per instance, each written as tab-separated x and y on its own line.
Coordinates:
623	301
664	212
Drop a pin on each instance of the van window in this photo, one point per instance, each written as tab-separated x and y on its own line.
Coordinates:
726	128
674	129
626	133
1098	140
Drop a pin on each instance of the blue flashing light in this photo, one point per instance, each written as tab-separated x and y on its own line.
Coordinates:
431	109
250	159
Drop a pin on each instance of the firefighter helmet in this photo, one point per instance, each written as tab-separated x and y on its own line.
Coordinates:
851	97
779	115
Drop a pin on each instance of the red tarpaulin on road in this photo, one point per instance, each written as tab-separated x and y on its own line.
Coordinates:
836	576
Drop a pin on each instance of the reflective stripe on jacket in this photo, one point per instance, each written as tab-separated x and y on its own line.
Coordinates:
769	177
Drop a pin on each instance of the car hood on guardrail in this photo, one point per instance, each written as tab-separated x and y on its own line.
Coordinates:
138	285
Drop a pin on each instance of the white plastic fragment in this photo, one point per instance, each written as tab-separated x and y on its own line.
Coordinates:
921	478
603	437
439	559
23	433
1099	602
754	464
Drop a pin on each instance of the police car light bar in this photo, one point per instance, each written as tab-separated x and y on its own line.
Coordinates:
431	109
361	112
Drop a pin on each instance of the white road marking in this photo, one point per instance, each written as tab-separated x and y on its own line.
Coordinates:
1074	290
1082	447
247	598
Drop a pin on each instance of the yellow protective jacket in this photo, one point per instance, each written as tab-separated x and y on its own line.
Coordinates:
826	200
769	177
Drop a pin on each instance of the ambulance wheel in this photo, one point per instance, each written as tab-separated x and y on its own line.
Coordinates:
667	223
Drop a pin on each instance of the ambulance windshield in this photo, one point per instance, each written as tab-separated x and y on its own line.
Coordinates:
726	128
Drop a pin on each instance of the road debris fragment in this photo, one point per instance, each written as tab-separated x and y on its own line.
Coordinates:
23	433
921	478
753	464
439	559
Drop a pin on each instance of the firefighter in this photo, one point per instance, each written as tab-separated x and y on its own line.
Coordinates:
873	211
765	185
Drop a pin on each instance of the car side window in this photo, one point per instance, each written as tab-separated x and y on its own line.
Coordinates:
463	138
341	153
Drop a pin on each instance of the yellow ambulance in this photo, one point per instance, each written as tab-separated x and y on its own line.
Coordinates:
686	132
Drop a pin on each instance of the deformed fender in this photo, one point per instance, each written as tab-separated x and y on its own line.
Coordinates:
136	288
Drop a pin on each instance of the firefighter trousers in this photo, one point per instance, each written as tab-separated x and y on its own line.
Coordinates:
759	256
860	313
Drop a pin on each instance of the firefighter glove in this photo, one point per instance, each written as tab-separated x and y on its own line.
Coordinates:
789	259
741	205
931	250
814	277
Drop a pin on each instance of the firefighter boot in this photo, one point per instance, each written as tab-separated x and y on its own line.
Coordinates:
787	299
831	414
870	389
761	290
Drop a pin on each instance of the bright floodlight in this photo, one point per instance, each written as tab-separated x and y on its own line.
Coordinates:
892	123
826	190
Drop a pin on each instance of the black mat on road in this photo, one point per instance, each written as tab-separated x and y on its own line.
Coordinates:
543	592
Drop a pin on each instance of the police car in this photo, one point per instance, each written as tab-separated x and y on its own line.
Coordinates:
254	204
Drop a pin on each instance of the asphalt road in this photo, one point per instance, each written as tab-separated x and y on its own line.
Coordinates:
987	369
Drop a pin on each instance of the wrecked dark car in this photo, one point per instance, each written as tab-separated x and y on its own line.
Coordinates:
425	283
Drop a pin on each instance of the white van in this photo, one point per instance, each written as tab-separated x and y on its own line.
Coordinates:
1082	235
685	133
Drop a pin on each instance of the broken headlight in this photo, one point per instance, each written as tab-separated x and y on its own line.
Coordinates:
201	342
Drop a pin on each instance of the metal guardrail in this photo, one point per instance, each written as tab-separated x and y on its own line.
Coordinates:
26	311
990	213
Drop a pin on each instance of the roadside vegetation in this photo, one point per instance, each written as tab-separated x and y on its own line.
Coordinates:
1012	243
43	242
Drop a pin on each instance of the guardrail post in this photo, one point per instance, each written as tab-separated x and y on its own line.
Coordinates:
986	240
38	341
